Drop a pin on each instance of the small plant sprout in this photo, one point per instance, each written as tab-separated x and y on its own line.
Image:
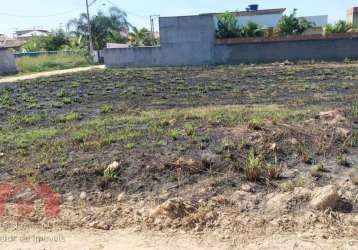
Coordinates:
189	129
106	109
111	172
355	110
174	134
316	170
343	161
254	165
305	154
274	169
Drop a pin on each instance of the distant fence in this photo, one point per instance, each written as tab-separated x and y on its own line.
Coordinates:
42	53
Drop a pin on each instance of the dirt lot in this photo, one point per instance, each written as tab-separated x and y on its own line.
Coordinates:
240	152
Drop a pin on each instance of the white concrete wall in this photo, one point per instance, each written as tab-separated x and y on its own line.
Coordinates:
318	21
186	40
266	21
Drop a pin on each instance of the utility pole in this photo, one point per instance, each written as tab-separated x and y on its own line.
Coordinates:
91	48
152	28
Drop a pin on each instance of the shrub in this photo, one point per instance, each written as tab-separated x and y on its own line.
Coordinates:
292	25
251	29
56	40
229	28
50	62
339	27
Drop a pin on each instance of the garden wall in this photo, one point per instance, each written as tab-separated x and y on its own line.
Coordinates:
7	62
293	48
190	40
186	40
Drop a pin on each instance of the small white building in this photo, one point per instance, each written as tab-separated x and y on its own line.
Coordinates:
27	34
267	18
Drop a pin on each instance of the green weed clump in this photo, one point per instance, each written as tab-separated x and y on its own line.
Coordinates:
355	110
254	166
50	62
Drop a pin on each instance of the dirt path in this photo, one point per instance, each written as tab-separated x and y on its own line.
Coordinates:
48	73
116	240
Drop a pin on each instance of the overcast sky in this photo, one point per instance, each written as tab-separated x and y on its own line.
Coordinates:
51	14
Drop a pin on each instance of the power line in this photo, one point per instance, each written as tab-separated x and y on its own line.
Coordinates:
44	16
130	12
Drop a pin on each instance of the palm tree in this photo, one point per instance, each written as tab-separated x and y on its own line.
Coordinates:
105	28
140	37
339	27
292	25
251	29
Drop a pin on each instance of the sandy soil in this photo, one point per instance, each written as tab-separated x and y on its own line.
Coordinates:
129	240
48	73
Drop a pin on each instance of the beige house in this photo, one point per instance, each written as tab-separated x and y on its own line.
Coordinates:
352	16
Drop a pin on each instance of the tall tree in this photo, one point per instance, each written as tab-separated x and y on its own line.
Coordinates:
105	28
227	26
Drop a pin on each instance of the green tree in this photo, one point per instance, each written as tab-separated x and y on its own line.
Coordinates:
54	41
105	28
37	43
251	29
292	25
227	26
140	37
339	27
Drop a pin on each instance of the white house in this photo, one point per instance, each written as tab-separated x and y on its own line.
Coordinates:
269	18
27	34
265	18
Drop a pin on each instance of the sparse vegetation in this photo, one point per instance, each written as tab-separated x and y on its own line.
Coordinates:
355	110
187	132
50	62
72	116
274	170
